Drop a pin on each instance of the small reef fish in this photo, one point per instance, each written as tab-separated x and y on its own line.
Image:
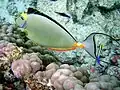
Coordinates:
48	33
98	59
98	53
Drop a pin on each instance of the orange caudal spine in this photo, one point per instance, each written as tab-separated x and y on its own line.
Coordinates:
79	45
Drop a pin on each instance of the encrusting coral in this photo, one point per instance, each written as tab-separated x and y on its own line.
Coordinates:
29	63
66	78
61	77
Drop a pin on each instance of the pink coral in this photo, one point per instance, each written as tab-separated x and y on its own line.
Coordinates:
9	51
21	67
30	63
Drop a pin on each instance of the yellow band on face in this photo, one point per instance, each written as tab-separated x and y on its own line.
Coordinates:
24	15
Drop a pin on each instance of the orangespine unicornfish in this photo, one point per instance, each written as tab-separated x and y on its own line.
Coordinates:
48	33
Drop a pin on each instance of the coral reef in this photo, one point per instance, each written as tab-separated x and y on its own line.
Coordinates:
63	77
86	17
11	33
20	57
26	65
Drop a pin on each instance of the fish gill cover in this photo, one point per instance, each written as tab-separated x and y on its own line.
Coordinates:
61	70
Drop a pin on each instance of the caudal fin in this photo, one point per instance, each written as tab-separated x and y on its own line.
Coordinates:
90	45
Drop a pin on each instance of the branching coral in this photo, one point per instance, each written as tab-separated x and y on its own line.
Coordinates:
34	84
41	79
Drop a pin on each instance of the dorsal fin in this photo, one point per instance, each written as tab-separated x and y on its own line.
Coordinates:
35	11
